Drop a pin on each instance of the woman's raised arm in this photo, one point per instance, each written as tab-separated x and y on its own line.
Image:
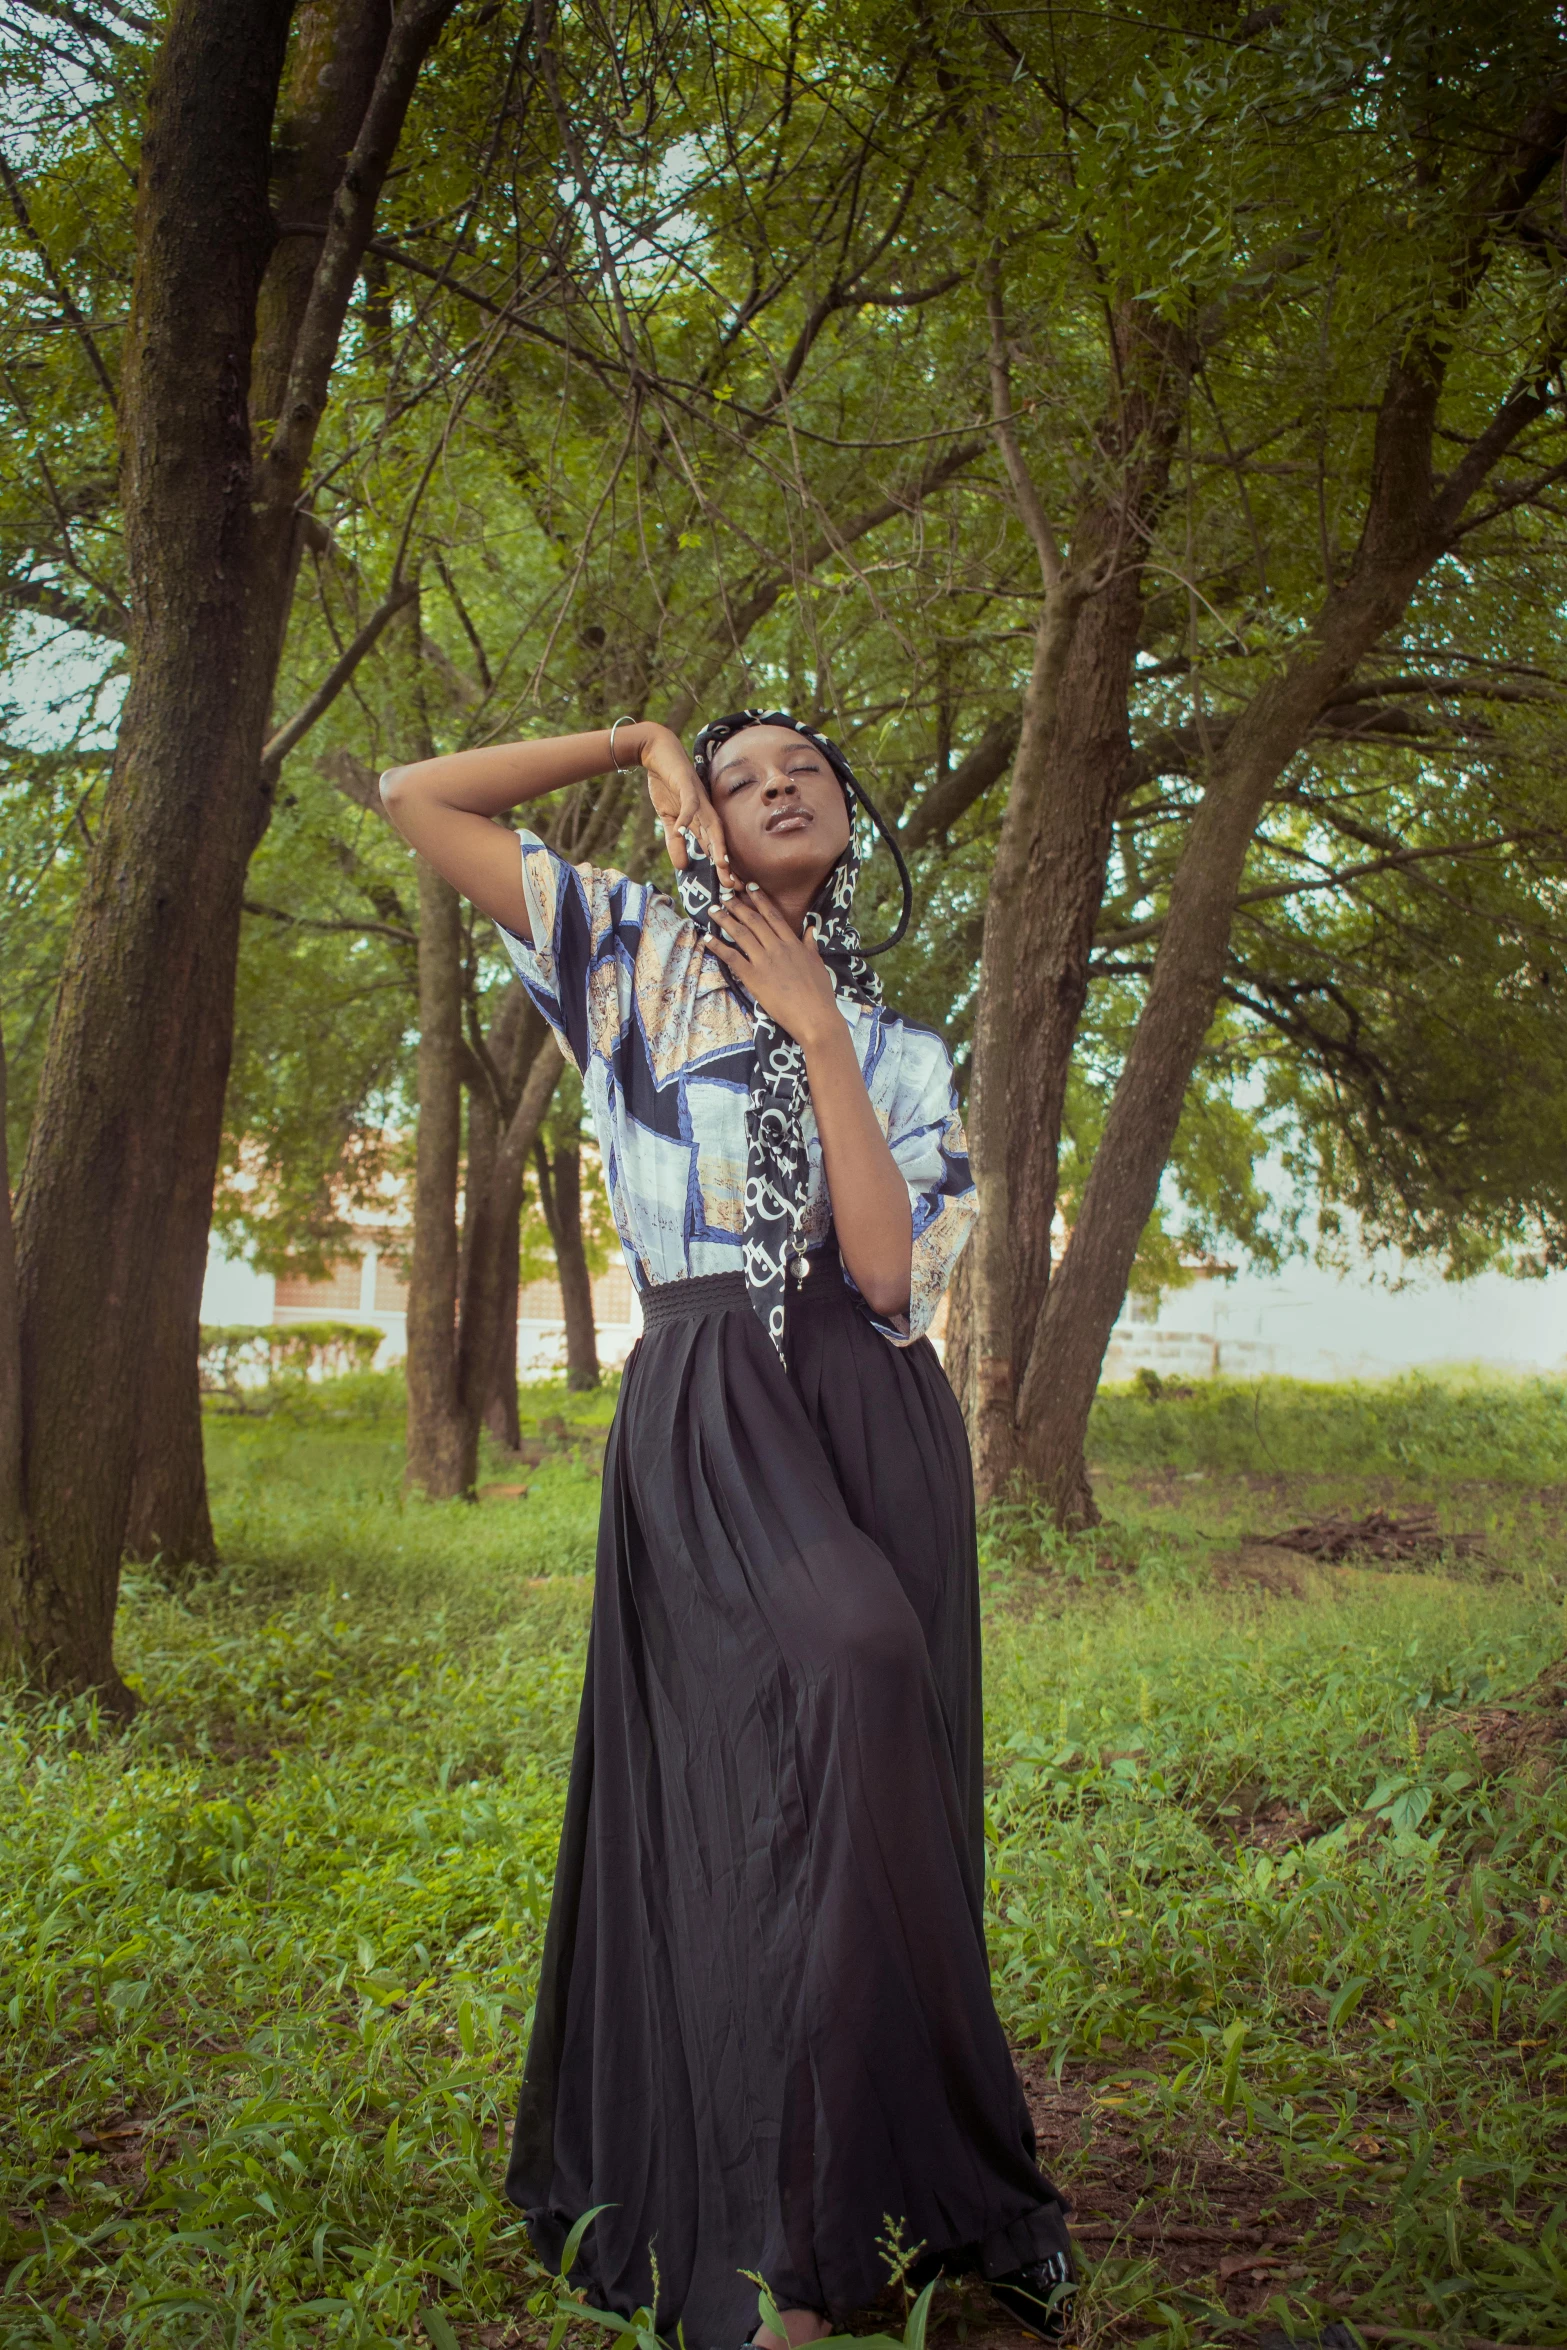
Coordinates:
446	808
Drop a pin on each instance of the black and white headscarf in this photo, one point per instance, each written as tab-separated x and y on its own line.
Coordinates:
777	1170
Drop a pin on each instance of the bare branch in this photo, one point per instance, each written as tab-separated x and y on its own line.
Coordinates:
1003	423
415	29
342	669
951	796
402	938
1135	932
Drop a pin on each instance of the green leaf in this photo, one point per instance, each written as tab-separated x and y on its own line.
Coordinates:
919	2318
573	2243
438	2326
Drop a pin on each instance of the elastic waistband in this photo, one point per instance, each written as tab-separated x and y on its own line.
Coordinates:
705	1293
721	1293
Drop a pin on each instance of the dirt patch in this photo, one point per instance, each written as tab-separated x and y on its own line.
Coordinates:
1275	1827
1205	2216
1526	1737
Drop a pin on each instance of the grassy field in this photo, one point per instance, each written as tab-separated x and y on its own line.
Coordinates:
1277	1885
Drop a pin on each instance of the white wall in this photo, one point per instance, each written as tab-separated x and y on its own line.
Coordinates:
235	1292
1306	1323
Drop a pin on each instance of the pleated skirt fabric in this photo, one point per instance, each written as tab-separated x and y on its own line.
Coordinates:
764	2022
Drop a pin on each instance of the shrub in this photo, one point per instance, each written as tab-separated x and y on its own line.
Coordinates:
244	1360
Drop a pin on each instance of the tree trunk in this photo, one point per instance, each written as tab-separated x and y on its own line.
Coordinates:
493	1226
128	1082
169	1517
130	1102
336	52
501	1415
991	1099
563	1195
511	1075
1085	1297
1073	763
442	1441
958	1353
12	1520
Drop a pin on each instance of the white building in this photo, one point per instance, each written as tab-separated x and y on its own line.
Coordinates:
1301	1323
368	1286
1306	1323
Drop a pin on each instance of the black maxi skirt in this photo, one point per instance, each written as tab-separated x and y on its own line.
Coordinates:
764	2021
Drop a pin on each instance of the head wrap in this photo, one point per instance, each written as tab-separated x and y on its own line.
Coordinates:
777	1170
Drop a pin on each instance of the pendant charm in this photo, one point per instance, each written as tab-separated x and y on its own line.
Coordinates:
802	1266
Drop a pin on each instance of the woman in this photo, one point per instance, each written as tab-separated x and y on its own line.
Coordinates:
764	2027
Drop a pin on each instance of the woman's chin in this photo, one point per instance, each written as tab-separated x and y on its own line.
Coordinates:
783	874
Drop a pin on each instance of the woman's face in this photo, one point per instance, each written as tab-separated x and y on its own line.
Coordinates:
782	809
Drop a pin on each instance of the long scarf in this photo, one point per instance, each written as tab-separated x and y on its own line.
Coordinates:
777	1166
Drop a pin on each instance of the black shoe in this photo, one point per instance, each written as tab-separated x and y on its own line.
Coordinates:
1040	2296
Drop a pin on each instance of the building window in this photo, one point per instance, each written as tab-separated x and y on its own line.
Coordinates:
612	1295
391	1288
339	1293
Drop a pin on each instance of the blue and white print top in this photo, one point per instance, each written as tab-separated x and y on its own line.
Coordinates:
663	1042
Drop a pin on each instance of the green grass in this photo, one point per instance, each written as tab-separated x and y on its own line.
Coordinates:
1414	1427
1276	1923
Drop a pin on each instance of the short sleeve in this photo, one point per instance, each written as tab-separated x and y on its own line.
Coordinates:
926	1138
592	919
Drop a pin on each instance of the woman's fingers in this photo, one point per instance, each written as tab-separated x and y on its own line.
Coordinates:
756	901
748	927
683	808
699	819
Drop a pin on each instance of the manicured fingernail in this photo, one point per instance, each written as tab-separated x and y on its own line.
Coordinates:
752	885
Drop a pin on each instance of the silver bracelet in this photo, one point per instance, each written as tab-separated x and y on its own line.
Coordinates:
618	722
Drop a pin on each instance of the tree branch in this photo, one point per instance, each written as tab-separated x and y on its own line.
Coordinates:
733	629
402	938
401	593
951	796
1508	503
416	27
1135	932
1003	423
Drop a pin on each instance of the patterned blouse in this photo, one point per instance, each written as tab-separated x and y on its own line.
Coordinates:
663	1042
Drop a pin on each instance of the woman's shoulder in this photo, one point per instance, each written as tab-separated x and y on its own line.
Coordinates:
905	1060
616	900
914	1040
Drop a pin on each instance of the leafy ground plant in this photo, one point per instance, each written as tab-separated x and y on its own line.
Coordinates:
1276	1874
